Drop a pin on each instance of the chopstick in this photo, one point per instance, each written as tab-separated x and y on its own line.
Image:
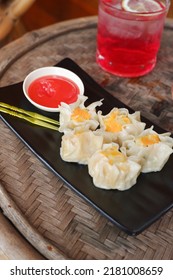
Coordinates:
32	117
29	113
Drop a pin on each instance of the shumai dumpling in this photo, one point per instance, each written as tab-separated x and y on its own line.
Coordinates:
77	115
111	169
152	149
118	124
78	146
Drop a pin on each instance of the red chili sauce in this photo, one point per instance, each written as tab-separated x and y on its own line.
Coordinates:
51	90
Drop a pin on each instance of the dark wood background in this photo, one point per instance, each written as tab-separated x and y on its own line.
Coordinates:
43	12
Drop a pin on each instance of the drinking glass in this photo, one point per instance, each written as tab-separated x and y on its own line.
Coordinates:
128	37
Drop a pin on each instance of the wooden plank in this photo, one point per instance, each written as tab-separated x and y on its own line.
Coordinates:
13	245
15	215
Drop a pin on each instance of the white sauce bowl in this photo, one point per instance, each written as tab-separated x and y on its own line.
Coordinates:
49	71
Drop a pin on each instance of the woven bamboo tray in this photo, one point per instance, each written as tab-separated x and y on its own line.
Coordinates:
58	223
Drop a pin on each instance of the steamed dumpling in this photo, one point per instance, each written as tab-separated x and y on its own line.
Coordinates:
118	124
77	115
78	146
152	149
111	169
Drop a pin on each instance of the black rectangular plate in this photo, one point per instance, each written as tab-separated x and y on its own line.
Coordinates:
132	210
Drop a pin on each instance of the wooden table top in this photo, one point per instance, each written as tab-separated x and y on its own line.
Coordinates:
58	223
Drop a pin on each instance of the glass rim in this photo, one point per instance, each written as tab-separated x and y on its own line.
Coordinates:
167	5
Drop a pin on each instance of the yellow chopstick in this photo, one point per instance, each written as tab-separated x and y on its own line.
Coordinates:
29	116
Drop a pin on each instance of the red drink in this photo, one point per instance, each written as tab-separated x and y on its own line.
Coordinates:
128	40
